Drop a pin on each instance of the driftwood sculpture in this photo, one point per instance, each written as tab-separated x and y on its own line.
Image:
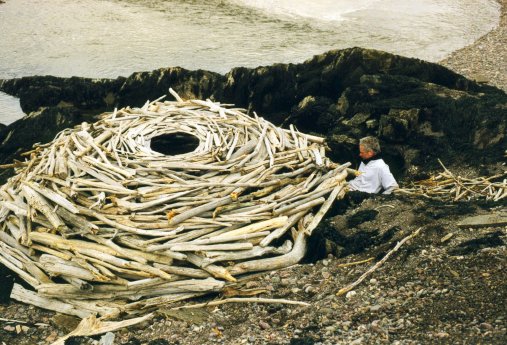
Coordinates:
99	223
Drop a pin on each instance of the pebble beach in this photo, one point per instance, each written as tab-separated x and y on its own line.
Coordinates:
485	60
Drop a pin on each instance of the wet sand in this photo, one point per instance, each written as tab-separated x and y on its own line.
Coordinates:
485	60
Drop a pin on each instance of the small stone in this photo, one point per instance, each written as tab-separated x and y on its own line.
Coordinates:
252	284
373	281
326	275
275	280
310	289
326	310
264	325
284	282
441	335
330	328
486	325
375	307
350	294
10	328
107	339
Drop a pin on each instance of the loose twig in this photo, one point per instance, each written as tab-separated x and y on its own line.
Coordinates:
38	324
243	300
377	265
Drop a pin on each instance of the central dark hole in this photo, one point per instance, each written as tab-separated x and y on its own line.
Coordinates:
174	143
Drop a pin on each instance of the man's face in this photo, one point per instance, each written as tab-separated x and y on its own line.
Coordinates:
365	154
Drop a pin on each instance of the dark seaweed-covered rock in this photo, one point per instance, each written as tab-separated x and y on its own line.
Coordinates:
420	111
48	91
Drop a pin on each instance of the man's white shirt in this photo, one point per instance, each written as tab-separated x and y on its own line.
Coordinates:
375	176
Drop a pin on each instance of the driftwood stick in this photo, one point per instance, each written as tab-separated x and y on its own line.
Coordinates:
243	300
25	296
324	208
360	262
377	265
38	202
289	259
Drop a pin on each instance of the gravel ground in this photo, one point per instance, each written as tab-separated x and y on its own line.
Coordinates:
486	59
446	286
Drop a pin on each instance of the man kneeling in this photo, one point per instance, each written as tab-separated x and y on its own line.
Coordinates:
375	176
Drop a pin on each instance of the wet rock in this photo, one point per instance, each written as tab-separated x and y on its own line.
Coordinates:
48	91
141	86
313	113
398	124
420	110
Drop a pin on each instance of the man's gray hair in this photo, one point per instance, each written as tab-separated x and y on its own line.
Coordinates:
370	144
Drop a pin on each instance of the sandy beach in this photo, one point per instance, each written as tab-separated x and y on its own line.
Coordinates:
485	60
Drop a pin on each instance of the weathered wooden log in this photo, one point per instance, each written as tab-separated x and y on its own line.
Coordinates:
39	203
289	259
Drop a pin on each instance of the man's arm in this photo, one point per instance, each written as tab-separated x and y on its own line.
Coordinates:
387	180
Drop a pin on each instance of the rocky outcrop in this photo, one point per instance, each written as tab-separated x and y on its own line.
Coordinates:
419	110
48	91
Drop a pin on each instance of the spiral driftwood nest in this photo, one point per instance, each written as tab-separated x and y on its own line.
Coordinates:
99	223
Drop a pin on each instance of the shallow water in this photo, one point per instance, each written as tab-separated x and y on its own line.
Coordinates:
108	38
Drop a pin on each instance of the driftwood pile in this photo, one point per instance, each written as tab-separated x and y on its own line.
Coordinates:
448	186
99	223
